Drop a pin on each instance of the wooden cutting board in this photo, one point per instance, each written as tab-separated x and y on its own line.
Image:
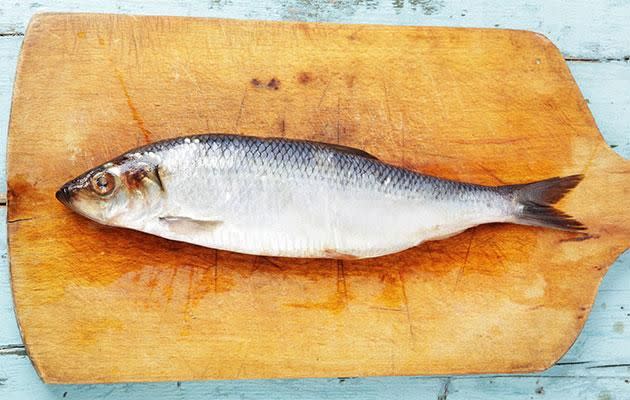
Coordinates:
98	304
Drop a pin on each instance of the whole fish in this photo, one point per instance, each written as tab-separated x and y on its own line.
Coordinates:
296	198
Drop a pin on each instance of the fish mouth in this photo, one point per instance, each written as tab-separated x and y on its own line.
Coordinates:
64	195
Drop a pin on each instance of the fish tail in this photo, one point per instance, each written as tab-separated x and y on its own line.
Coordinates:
535	203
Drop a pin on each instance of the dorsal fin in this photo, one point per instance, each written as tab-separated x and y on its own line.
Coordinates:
350	150
339	147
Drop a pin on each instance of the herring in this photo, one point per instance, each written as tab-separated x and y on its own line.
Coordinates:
296	198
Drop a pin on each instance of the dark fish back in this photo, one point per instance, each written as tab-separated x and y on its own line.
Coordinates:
334	164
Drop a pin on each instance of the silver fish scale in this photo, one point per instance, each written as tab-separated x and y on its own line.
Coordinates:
298	159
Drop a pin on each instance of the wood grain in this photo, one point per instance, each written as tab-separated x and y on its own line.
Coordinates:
486	106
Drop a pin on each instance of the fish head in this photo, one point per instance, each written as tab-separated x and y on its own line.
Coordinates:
124	192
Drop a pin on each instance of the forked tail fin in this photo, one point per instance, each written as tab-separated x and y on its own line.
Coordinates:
535	202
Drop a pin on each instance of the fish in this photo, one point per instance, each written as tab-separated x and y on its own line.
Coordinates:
297	198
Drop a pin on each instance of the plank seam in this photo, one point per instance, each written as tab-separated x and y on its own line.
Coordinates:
610	366
11	34
12	350
597	60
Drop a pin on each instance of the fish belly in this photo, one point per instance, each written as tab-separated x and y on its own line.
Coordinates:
302	218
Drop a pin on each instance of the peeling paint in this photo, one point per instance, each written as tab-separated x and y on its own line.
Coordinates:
618	327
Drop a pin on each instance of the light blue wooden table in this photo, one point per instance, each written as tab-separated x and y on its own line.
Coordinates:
592	35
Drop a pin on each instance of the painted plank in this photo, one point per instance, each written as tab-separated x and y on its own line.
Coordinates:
9	50
605	339
18	381
9	333
617	277
605	88
522	293
581	29
592	344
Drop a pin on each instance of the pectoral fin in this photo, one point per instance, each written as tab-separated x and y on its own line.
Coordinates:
189	226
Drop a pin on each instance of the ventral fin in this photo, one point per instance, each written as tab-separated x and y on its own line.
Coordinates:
189	226
332	253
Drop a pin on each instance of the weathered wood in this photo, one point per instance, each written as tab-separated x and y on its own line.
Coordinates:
605	88
421	311
598	342
9	48
9	333
581	29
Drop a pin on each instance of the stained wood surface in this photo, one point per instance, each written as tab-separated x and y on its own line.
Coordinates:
486	106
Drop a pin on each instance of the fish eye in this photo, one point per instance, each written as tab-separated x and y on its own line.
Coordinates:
103	183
